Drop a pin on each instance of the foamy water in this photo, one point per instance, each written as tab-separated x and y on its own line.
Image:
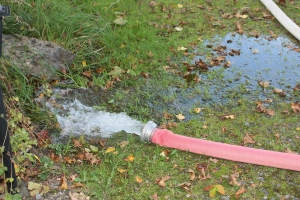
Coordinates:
78	119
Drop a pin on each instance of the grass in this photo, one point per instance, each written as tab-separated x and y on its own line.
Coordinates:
146	89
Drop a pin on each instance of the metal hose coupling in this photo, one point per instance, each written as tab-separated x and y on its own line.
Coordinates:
148	131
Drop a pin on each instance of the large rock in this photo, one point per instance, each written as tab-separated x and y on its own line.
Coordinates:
36	57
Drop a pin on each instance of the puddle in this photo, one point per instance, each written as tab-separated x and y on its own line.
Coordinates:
259	59
88	111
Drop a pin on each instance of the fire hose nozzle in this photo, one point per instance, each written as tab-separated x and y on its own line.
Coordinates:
148	131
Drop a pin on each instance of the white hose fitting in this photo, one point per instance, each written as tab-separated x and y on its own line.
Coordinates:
148	131
284	20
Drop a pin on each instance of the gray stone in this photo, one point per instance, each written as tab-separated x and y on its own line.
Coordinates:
36	57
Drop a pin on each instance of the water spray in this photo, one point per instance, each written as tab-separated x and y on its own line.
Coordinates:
166	138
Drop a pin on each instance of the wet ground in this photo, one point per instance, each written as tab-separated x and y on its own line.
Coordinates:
232	68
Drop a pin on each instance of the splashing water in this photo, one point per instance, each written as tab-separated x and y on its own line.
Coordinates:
79	119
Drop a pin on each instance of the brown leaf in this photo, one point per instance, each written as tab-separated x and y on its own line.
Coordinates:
279	92
270	112
239	28
234	180
162	181
185	185
87	74
248	139
296	107
222	117
296	49
63	183
192	174
150	54
167	116
240	191
154	196
297	88
78	196
92	158
77	143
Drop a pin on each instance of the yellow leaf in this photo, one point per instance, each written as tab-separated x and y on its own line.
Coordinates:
179	5
36	157
84	63
16	99
138	179
122	45
197	110
220	189
298	128
121	170
110	149
129	158
181	48
229	116
180	117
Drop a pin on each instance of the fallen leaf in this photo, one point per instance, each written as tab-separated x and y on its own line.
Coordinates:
222	117
123	143
287	150
267	15
129	158
92	158
36	188
93	148
162	181
240	191
296	107
184	185
180	117
138	179
197	110
178	29
296	49
238	15
298	129
213	160
63	183
150	54
116	71
255	51
220	189
239	28
78	196
165	153
110	149
279	92
167	116
76	143
179	5
181	48
234	181
264	84
84	63
154	196
270	112
192	174
122	170
120	21
248	139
